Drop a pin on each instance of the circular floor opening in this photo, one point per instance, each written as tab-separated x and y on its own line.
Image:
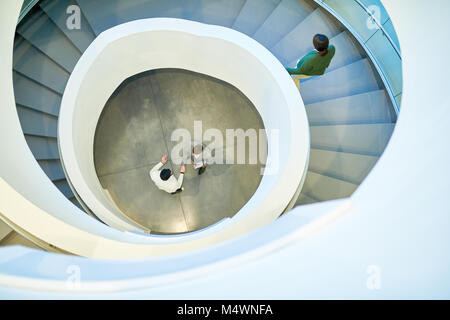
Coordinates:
135	130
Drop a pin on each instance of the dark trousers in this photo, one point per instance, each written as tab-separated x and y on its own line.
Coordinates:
179	190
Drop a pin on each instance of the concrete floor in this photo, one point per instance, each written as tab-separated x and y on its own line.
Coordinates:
134	132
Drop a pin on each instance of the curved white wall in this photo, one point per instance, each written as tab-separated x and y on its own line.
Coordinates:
142	45
30	200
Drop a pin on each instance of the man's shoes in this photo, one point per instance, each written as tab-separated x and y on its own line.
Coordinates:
178	191
201	170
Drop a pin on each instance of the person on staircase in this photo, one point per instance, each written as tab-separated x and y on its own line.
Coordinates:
315	62
165	180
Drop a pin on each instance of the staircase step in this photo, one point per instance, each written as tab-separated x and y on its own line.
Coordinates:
354	13
37	123
347	52
35	65
104	14
304	199
5	230
355	78
64	187
367	139
57	11
284	18
253	14
299	41
340	165
43	148
325	188
369	107
33	95
52	169
219	12
40	31
76	203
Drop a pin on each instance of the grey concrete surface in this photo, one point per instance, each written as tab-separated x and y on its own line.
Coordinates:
135	129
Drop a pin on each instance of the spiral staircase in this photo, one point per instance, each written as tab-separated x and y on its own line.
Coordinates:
350	113
351	121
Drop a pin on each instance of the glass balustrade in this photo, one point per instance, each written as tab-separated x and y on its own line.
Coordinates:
372	26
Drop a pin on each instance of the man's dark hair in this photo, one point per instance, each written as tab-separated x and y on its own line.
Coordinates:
321	42
165	174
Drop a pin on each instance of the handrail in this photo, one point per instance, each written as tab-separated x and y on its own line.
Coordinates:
363	43
27	6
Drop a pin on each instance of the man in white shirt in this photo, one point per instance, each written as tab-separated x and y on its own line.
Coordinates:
165	180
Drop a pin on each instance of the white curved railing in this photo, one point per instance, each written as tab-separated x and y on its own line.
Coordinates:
27	6
28	198
149	44
102	276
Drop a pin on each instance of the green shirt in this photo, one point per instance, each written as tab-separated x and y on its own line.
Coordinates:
313	64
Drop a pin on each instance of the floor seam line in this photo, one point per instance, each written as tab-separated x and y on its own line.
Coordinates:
157	104
160	121
130	169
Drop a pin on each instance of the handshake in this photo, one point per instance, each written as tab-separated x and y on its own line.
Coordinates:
164	160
